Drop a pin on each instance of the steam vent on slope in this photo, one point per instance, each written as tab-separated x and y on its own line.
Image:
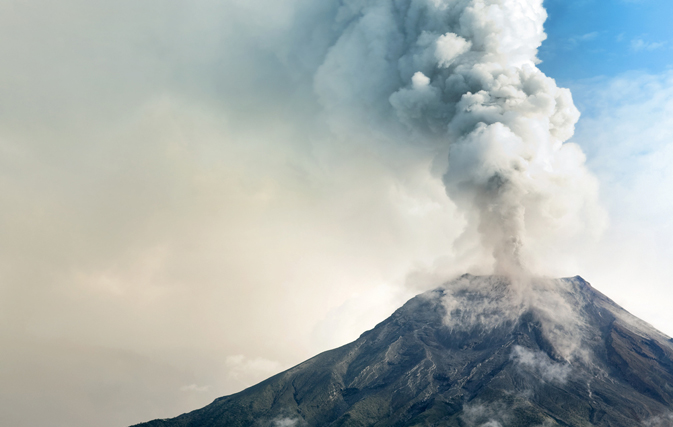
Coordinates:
479	351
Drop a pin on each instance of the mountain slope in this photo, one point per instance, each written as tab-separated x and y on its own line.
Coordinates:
480	351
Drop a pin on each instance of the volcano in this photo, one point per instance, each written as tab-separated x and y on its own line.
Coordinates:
479	351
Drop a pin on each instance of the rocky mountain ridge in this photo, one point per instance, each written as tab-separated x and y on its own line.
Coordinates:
479	351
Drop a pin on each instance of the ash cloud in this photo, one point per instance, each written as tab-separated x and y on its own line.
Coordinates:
460	78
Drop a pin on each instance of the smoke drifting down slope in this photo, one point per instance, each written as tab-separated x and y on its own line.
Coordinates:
460	76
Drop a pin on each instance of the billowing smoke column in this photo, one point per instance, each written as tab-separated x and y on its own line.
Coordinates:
462	74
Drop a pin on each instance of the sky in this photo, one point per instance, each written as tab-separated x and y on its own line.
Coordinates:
590	38
182	217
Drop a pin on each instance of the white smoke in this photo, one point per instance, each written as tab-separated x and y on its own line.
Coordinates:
285	422
477	414
665	420
493	414
540	364
460	77
484	303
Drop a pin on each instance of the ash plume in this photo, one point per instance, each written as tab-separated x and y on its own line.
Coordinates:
460	77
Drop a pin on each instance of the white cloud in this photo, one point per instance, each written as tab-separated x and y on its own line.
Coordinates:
195	388
247	371
627	132
639	45
584	37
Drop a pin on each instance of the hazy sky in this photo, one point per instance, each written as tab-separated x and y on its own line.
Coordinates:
180	218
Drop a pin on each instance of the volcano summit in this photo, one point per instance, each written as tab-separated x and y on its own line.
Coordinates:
479	351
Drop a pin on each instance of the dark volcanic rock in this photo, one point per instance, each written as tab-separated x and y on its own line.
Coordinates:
480	351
